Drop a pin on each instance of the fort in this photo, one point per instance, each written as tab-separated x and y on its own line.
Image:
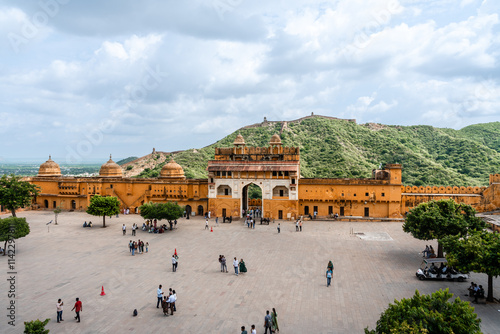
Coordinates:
275	169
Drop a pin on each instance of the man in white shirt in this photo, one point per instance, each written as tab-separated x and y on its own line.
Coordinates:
159	294
235	265
174	263
59	306
124	229
206	224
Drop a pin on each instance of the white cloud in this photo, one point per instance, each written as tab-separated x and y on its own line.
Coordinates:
408	62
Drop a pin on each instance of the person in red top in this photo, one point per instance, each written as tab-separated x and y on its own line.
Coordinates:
77	308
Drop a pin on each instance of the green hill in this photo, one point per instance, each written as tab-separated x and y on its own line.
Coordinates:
332	148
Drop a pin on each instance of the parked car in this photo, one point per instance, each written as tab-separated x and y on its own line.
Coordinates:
437	268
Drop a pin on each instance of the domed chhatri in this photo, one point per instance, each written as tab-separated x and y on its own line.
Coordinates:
172	170
110	169
239	140
275	140
49	168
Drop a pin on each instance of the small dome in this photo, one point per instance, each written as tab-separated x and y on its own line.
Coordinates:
172	170
49	168
275	140
239	140
110	169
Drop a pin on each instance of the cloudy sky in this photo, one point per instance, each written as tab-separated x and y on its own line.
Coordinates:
83	79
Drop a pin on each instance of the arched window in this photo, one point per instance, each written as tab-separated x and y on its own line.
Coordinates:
280	191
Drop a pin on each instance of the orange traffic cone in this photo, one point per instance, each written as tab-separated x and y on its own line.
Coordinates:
102	291
175	253
211	229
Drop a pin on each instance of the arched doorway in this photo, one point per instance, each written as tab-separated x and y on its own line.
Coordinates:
252	200
188	210
73	204
46	204
200	210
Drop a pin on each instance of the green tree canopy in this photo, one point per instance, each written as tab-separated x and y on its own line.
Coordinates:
36	327
169	211
103	206
478	252
13	228
437	219
15	193
432	314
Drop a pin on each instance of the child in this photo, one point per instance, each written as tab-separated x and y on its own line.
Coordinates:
147	246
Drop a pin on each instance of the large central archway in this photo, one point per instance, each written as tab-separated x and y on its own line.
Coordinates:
251	199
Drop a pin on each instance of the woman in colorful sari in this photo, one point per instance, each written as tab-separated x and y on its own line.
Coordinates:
274	319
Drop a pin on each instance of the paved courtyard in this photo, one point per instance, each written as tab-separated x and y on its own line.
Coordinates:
285	271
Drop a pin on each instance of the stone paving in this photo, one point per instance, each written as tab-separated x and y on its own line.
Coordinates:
285	271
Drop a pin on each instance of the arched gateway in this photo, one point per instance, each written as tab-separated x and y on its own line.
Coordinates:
274	169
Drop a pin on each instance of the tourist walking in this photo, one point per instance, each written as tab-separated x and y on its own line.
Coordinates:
131	245
279	227
253	331
134	227
274	319
243	268
224	265
78	308
174	263
216	220
330	265
159	294
124	229
206	224
243	331
297	226
300	225
59	306
329	274
147	247
235	265
268	323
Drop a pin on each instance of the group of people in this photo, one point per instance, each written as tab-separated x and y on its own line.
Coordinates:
298	225
428	252
475	291
239	267
85	224
77	308
270	324
329	273
250	222
166	302
149	226
138	246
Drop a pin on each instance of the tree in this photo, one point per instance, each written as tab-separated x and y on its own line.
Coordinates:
169	211
15	193
437	219
36	327
478	252
57	211
103	206
428	314
13	228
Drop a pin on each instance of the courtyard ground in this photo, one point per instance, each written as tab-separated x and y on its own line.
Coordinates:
285	271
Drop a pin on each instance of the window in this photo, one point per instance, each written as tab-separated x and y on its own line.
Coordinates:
354	195
275	173
293	181
218	173
226	192
111	186
223	173
286	173
229	174
280	191
366	194
383	194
